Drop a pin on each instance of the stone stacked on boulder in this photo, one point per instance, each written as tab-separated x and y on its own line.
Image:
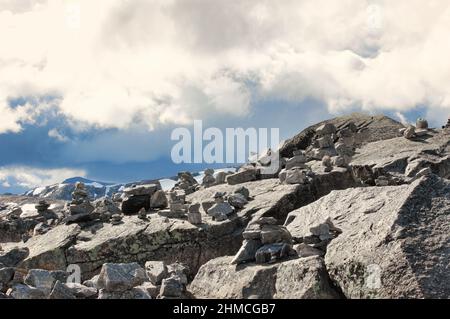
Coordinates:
447	126
422	124
246	174
137	197
209	179
264	242
187	183
174	285
122	281
116	219
177	205
105	208
221	210
323	145
80	208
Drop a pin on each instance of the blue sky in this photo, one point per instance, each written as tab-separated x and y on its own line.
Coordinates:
95	88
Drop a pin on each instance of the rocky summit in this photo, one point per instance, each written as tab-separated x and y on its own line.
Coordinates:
358	208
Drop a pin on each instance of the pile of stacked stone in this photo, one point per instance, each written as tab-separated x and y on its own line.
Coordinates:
345	146
221	210
264	242
209	180
296	171
318	238
177	205
46	218
187	183
136	197
323	145
80	208
105	208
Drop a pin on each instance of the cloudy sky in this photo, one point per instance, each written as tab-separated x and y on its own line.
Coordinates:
95	88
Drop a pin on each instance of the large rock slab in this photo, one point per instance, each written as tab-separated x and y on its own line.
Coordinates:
48	251
394	241
293	279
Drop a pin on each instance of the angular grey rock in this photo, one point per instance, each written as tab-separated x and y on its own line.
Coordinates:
62	292
297	161
41	279
159	200
268	281
13	257
326	129
221	178
221	210
21	291
172	287
325	142
244	176
393	240
121	277
141	190
138	292
238	201
133	204
271	234
272	253
305	251
296	176
6	275
409	132
92	283
80	291
243	191
156	271
247	252
150	289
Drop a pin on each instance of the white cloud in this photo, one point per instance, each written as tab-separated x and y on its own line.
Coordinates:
30	177
54	133
159	62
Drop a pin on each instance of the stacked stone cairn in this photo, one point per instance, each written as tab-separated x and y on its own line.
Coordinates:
169	280
137	197
45	213
296	171
80	208
221	210
264	242
209	180
105	208
187	183
177	205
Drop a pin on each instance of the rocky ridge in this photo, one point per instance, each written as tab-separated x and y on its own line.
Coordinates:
359	208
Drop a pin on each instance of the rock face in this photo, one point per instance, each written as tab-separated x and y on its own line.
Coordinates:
393	241
292	279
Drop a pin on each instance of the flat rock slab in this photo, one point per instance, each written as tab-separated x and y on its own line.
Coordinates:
304	278
394	241
48	251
